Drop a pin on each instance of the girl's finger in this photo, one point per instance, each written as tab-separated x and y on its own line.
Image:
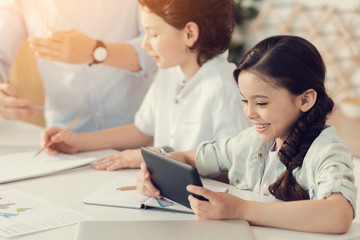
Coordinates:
202	209
206	193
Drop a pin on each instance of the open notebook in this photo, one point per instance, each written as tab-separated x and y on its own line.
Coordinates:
164	230
108	195
25	165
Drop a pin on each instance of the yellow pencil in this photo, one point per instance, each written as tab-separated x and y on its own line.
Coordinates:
65	130
126	188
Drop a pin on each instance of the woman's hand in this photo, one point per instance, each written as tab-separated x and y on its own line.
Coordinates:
65	142
64	46
130	158
11	106
219	206
144	184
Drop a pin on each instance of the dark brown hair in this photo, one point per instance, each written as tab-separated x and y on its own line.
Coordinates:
213	17
292	63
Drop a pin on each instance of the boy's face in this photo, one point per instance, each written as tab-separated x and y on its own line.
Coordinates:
164	43
272	110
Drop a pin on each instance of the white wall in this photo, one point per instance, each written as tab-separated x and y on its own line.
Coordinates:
337	38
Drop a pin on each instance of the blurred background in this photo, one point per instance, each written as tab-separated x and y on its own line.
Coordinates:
329	24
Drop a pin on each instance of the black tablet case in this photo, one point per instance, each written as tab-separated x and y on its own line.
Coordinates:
171	176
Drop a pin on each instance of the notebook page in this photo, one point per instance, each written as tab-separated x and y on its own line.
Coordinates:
25	165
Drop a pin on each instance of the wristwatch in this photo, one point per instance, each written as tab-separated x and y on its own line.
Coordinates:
166	149
99	53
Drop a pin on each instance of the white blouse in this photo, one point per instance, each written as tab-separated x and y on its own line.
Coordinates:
182	115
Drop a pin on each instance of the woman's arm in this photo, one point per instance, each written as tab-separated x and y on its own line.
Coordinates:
77	48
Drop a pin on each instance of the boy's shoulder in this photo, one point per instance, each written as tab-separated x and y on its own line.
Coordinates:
217	74
219	67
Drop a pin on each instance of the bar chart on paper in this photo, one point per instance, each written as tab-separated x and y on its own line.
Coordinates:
22	213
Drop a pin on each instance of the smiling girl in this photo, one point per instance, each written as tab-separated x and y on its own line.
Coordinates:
193	97
289	154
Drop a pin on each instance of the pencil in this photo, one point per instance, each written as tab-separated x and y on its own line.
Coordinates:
158	201
126	188
50	142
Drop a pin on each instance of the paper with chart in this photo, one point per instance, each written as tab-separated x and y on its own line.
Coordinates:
23	213
25	165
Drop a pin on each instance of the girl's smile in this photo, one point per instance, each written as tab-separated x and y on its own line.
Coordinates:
260	128
272	110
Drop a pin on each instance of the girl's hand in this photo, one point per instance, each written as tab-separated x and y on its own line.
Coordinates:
130	158
144	184
220	205
65	142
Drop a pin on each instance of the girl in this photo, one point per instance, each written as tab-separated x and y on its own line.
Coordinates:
289	154
192	98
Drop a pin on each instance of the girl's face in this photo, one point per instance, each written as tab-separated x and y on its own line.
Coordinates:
272	110
165	44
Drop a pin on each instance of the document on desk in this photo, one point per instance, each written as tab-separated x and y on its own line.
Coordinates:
109	195
22	213
25	165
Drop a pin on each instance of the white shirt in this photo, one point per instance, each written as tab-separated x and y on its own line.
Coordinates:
270	175
101	96
208	107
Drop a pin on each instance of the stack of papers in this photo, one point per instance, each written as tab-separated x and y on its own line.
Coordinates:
25	165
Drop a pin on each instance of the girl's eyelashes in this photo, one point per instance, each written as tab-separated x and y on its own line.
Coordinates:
261	103
257	103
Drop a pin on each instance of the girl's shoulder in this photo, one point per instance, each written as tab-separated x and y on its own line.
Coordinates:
328	145
246	137
328	136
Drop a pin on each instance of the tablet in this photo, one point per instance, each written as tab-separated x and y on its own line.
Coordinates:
164	230
171	176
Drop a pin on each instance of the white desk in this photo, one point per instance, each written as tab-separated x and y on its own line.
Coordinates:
71	187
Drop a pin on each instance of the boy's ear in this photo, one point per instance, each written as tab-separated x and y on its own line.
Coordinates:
307	100
192	33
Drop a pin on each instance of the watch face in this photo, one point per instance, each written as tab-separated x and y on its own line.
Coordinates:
166	149
100	54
